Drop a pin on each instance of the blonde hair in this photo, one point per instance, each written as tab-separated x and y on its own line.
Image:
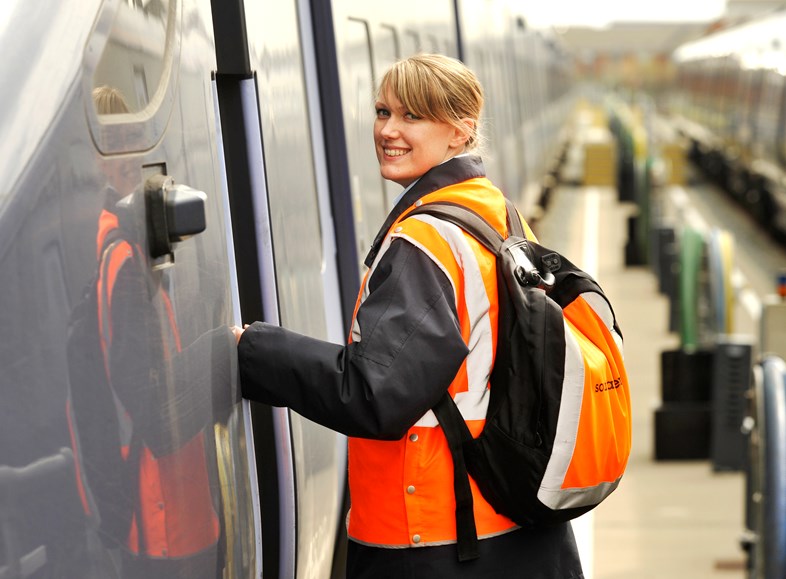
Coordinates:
109	101
438	88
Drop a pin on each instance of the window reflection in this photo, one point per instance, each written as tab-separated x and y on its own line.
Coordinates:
133	59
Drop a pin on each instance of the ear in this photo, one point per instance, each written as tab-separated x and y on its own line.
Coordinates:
461	136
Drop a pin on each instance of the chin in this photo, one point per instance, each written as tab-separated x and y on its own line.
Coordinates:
394	178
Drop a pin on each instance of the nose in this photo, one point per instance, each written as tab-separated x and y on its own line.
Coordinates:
389	127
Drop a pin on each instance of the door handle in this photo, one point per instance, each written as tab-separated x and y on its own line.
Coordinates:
174	212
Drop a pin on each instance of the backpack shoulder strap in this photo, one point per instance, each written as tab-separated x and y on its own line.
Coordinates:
466	219
450	420
457	433
513	220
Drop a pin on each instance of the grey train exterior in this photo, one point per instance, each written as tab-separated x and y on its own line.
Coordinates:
731	105
239	174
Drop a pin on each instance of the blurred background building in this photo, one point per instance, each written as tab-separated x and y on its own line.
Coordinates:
630	46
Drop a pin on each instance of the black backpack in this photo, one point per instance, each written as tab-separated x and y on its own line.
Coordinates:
106	478
552	447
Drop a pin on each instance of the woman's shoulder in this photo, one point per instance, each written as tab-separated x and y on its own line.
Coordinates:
478	194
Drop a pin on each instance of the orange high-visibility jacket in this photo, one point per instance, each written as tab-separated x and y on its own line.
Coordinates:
175	502
402	491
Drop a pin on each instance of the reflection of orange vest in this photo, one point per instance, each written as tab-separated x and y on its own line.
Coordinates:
175	503
402	491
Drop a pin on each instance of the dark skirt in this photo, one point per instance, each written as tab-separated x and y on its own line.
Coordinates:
546	553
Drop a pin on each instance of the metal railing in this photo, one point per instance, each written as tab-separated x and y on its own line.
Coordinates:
765	512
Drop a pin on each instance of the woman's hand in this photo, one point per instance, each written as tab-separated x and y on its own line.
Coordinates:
238	332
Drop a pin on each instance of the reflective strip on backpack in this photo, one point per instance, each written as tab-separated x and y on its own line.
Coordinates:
594	389
550	492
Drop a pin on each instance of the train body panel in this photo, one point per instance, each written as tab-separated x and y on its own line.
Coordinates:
183	409
120	110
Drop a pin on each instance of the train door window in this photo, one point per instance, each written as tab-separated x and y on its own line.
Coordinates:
780	153
728	91
410	43
500	111
530	71
387	48
754	100
764	113
128	62
386	52
742	133
768	112
516	83
357	96
690	90
713	94
447	48
132	67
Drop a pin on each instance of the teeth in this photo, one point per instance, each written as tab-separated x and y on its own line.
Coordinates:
394	152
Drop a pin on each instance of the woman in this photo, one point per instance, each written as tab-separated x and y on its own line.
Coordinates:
425	321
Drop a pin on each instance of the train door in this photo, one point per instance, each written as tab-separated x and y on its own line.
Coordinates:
268	91
124	448
303	245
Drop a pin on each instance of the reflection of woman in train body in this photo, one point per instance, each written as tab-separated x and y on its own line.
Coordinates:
109	101
425	321
157	512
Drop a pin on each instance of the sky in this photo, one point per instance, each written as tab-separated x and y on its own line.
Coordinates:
599	13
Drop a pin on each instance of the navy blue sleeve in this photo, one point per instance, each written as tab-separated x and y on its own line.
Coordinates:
411	349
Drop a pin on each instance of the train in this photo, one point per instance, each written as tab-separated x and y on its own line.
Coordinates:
730	104
225	148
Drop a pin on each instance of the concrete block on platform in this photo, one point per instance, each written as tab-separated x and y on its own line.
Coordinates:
675	164
600	158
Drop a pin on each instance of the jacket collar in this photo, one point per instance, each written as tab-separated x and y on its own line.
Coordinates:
450	172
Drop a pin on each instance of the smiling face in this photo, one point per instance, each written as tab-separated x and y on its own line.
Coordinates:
407	145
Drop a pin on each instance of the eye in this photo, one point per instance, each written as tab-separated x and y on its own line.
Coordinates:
412	116
382	113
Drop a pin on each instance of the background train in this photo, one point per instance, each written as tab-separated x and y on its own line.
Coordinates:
240	166
731	104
